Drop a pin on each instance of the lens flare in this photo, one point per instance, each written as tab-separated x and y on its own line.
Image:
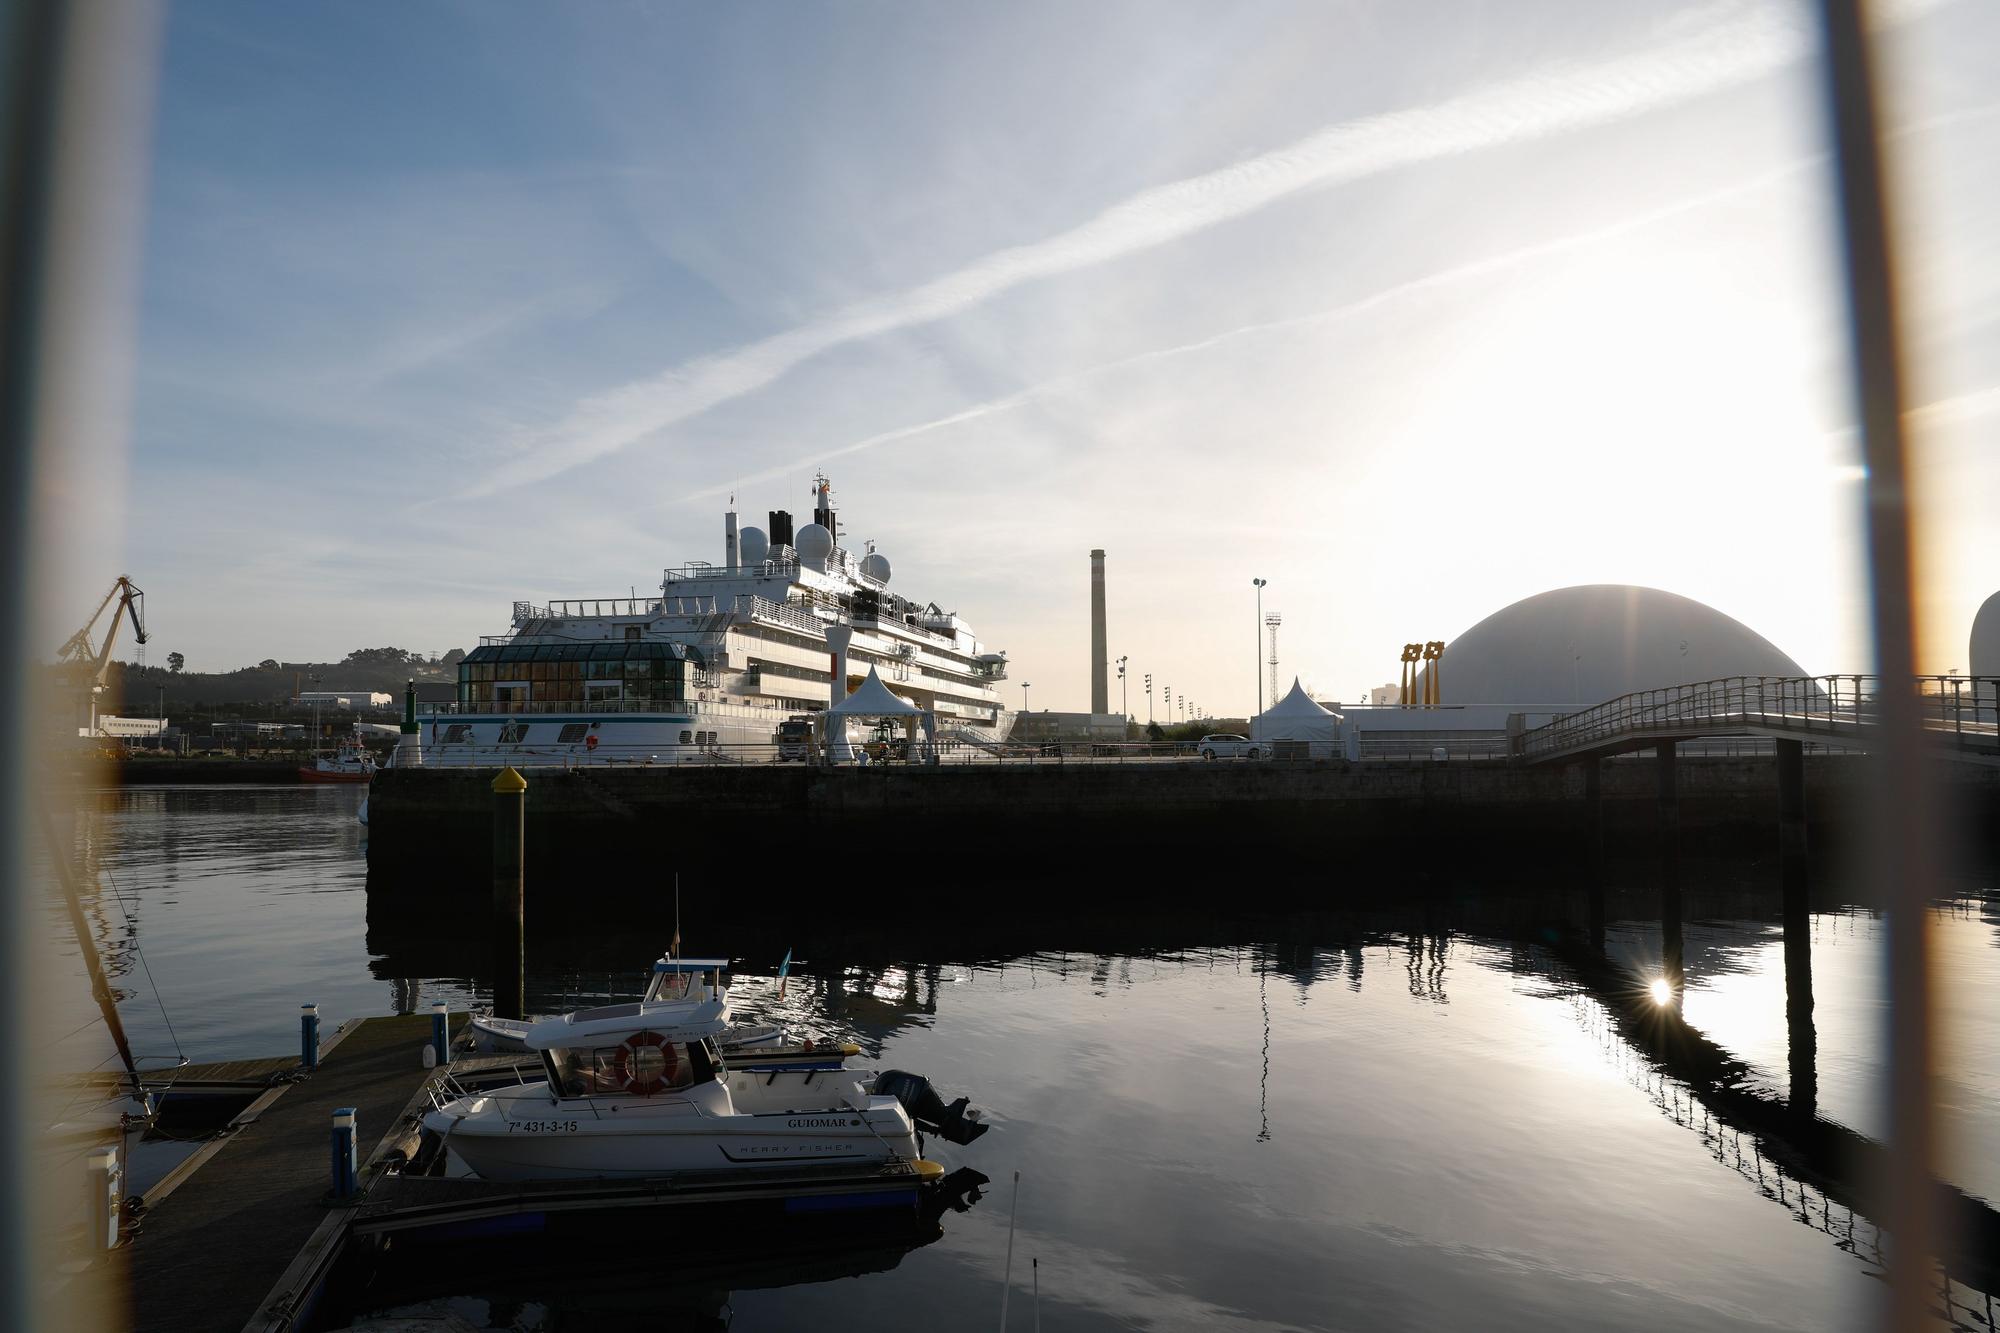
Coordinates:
1662	993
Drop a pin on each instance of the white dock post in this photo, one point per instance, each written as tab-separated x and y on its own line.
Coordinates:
106	1178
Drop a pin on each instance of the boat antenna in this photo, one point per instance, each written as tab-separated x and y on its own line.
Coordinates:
675	951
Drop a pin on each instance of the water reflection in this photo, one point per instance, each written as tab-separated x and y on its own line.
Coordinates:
1494	1116
673	1271
1264	1078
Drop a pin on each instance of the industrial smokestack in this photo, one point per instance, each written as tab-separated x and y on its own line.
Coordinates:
1100	657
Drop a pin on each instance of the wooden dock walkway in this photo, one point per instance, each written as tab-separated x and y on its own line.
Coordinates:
210	1251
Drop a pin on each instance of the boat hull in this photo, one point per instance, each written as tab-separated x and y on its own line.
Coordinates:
321	775
562	1141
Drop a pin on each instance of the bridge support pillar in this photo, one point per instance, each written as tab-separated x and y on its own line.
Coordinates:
1793	874
1672	963
1593	800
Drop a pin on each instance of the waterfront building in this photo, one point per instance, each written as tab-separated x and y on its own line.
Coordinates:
1556	652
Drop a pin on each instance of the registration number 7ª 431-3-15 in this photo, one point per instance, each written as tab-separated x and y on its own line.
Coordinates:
541	1126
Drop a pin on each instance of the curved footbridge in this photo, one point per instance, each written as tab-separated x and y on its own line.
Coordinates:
1960	715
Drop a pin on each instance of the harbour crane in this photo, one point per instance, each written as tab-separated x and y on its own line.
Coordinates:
85	664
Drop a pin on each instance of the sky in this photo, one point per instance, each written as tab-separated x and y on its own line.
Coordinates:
1411	309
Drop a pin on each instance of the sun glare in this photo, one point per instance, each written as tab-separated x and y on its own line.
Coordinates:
1662	993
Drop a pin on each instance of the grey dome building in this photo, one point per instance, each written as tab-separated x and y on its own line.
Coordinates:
1984	649
1573	647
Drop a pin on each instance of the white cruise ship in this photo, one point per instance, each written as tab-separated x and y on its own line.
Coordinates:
729	662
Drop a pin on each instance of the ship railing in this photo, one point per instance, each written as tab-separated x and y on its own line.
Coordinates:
895	753
531	707
597	606
906	626
779	613
675	573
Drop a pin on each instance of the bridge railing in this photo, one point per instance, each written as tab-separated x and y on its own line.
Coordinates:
1966	708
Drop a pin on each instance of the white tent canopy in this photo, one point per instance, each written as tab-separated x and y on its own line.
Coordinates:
872	699
1297	718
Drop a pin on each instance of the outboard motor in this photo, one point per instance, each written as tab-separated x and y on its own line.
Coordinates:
956	1123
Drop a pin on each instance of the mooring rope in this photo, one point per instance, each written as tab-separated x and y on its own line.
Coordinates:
139	949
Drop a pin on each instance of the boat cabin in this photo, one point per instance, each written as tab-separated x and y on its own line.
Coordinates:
639	1050
687	979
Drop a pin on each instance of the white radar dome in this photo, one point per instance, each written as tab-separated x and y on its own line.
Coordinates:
754	545
813	543
876	566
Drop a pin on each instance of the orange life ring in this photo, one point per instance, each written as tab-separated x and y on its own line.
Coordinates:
590	741
644	1082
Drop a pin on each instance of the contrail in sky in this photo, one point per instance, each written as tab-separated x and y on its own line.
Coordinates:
1951	410
1446	277
1701	60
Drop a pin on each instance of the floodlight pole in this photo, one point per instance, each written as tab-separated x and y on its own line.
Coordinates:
1257	642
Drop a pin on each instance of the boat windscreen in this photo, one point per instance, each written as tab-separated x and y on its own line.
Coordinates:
676	984
644	1066
566	1077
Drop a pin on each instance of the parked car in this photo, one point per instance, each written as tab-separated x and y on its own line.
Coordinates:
1225	746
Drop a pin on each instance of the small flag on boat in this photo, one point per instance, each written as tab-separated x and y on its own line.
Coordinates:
784	968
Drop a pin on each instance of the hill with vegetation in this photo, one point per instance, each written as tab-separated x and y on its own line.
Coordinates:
134	691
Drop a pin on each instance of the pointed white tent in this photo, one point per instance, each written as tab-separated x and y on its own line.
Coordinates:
1297	718
872	699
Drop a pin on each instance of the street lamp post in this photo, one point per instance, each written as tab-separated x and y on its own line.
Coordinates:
1122	709
1024	696
1257	644
314	680
1149	698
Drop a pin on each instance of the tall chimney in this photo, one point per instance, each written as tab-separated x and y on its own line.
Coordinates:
729	560
1100	658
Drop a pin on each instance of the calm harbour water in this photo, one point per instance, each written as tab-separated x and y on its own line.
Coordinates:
1381	1126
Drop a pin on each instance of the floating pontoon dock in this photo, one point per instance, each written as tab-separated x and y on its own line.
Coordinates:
243	1235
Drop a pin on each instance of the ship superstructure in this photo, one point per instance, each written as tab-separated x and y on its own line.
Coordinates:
726	658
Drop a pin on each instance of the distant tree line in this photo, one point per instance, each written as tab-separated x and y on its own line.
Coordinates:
134	690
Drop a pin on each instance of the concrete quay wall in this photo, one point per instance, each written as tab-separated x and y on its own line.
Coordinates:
1207	813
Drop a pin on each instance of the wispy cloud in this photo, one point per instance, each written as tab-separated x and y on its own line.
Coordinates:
1951	411
1724	49
1486	266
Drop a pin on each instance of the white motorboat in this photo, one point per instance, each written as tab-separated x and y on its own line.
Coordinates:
350	763
675	979
640	1090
